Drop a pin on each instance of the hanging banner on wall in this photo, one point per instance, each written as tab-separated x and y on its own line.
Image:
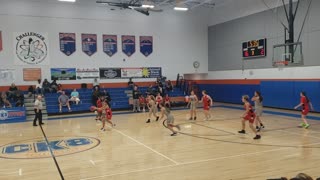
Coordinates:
125	73
7	76
89	43
151	72
146	45
110	73
110	44
131	72
87	73
31	74
63	73
128	45
31	48
0	41
67	43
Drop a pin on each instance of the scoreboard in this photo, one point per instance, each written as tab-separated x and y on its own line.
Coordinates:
254	48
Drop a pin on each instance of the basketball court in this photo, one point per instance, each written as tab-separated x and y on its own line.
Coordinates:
135	150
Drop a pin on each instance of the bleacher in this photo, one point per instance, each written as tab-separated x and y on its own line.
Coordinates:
120	99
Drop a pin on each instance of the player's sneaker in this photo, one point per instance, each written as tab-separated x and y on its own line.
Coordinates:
302	124
307	126
257	137
173	134
242	132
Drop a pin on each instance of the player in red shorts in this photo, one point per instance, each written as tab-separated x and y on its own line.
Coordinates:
207	102
248	115
167	101
142	102
306	104
106	115
99	105
159	100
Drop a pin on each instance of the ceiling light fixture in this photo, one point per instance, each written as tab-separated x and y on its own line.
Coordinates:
147	6
181	8
67	0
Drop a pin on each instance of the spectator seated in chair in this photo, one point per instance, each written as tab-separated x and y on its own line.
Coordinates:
54	86
12	91
19	99
4	102
30	91
39	89
46	86
63	101
74	97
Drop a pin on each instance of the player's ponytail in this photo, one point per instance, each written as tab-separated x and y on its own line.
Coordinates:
305	95
260	96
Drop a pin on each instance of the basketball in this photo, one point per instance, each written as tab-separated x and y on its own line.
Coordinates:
99	110
92	108
186	98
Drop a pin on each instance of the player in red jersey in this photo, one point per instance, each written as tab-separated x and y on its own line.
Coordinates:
207	102
106	115
167	101
306	105
159	100
142	102
99	105
248	115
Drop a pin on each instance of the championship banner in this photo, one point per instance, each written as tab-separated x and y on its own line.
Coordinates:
110	44
131	72
89	43
110	73
31	48
152	72
63	73
31	74
0	41
87	73
7	76
67	43
10	115
128	45
146	45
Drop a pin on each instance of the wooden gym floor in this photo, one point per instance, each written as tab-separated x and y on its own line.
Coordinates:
134	150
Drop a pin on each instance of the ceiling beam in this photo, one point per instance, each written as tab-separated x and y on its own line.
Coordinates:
207	1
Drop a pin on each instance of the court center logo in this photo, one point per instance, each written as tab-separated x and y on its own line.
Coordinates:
4	114
31	48
39	148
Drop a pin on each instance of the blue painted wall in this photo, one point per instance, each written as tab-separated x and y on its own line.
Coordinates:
278	94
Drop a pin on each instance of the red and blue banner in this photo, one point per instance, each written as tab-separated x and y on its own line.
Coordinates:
67	43
11	115
146	45
128	45
0	41
110	44
89	43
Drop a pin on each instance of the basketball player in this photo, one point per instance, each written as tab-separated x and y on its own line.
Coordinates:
248	115
257	99
306	104
167	101
193	100
99	105
152	108
159	100
207	102
165	110
106	115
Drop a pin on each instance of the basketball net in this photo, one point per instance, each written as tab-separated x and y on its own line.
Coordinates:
280	64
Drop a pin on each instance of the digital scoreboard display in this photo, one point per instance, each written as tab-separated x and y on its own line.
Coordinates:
254	48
